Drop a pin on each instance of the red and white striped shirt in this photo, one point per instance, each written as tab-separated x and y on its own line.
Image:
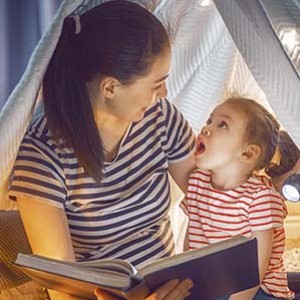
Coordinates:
216	215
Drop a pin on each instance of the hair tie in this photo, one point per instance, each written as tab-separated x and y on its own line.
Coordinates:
76	19
277	155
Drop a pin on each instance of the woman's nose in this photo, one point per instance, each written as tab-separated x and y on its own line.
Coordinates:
162	92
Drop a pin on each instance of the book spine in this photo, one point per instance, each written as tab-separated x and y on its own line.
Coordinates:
138	292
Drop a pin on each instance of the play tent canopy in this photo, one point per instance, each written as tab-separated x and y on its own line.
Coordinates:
219	47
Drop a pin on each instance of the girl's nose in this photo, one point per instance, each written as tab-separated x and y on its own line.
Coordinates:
205	131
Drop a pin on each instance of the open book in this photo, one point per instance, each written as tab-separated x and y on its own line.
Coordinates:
216	270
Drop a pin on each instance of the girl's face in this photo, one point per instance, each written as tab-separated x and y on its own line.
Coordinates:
132	100
221	141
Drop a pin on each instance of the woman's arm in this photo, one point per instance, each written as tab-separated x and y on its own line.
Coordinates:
264	246
47	229
48	233
180	172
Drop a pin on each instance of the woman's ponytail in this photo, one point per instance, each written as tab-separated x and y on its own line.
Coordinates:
119	39
67	106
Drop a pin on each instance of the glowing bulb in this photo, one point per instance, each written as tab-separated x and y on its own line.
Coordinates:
289	38
290	193
204	3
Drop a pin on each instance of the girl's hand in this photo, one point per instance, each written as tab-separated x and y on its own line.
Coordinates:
172	290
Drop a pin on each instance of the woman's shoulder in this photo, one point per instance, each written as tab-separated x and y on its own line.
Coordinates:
165	105
38	137
38	128
162	113
162	105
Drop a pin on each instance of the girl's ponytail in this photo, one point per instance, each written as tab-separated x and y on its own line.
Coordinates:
287	153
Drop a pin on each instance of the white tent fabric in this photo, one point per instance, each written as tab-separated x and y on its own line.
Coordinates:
206	67
267	58
17	112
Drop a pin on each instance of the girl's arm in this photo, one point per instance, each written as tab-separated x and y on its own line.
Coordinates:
264	245
48	233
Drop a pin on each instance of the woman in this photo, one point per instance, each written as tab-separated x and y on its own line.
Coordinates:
91	177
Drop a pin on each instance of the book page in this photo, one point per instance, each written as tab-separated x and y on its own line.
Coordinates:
70	270
71	286
116	265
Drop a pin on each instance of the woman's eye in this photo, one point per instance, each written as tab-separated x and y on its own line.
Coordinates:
158	87
223	125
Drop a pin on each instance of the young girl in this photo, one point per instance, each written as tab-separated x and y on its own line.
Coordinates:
225	198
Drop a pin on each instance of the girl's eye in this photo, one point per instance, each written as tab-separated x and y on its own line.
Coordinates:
209	121
223	125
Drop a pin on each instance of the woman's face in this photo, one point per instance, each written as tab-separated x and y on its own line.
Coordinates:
132	100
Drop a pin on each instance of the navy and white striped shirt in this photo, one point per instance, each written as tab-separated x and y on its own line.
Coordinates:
126	215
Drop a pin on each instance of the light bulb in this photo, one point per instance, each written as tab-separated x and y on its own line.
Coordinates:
291	188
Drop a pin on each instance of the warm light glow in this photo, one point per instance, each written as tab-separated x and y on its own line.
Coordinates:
290	38
290	193
204	3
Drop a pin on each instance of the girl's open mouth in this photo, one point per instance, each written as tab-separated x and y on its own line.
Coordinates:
200	147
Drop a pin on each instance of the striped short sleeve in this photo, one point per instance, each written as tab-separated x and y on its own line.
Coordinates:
266	211
126	214
179	140
37	173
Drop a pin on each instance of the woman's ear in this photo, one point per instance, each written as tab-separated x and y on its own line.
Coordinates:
251	153
108	87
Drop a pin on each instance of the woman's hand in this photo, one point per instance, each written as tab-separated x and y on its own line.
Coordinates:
172	290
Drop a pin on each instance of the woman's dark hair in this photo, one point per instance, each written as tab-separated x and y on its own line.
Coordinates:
118	39
265	131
